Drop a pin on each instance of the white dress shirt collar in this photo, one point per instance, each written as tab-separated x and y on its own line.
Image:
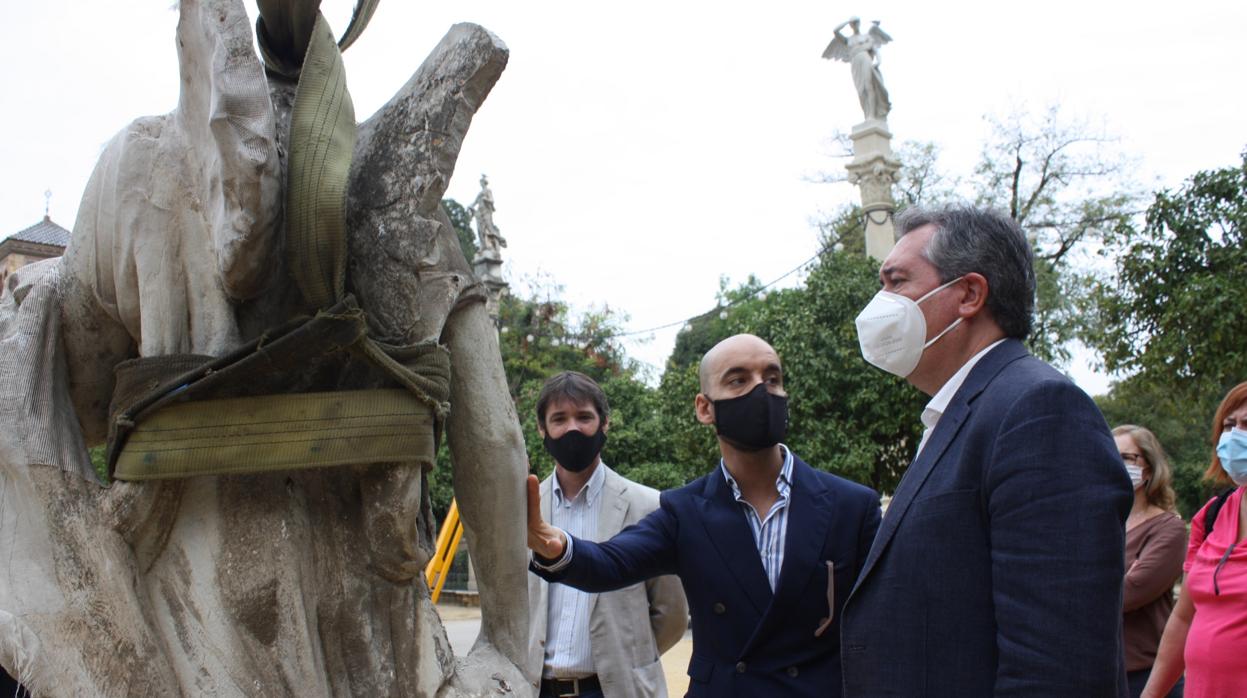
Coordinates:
939	402
590	491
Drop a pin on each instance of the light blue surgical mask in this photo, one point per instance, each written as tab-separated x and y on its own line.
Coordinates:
1232	452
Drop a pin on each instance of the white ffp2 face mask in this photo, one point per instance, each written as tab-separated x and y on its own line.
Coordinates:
891	330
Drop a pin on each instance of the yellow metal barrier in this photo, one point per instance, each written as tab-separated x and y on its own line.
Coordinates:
447	543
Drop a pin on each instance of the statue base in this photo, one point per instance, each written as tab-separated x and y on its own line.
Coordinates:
487	265
874	169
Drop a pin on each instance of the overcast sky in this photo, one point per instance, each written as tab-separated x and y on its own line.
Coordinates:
638	151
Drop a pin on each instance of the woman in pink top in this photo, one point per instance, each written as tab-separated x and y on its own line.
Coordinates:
1207	633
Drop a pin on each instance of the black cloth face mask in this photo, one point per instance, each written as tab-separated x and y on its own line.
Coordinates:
753	421
574	450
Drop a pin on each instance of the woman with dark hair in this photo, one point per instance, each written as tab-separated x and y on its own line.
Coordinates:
1207	632
1155	547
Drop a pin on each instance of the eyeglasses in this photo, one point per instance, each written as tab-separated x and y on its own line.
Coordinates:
1132	458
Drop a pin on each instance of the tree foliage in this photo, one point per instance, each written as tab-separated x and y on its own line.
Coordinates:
1174	318
1177	308
461	218
540	336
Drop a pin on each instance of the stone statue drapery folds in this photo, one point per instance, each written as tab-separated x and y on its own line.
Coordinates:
861	52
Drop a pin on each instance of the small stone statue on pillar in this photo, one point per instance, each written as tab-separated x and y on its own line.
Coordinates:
488	260
874	167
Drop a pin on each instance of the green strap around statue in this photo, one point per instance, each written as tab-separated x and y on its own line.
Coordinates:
179	416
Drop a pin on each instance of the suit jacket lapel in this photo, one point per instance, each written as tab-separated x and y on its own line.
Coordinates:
612	505
612	508
539	613
945	431
948	426
730	535
810	509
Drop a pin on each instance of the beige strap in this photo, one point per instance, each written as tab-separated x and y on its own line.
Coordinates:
279	432
322	141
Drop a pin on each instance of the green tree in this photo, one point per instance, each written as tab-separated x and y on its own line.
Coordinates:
1174	320
693	447
538	337
1176	310
461	218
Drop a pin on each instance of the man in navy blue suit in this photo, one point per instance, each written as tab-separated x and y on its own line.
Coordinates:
766	547
997	570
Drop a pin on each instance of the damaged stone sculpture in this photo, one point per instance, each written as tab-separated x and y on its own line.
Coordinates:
201	569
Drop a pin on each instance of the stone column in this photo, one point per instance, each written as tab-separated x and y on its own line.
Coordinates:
487	264
874	170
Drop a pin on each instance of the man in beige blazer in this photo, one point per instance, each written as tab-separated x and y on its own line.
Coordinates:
583	644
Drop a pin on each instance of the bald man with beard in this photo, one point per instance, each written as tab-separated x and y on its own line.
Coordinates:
765	546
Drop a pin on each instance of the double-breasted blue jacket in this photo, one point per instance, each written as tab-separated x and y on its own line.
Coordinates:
747	641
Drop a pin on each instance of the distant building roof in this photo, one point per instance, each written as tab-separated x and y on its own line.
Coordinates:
45	232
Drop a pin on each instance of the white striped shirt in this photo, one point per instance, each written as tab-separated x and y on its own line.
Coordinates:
568	654
770	531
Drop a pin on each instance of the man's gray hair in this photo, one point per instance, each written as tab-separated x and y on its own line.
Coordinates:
987	242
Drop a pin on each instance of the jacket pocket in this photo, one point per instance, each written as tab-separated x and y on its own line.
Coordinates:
700	669
944	503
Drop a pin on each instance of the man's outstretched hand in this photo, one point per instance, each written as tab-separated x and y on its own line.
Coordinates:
543	539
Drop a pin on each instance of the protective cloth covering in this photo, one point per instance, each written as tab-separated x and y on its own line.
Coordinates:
179	430
33	375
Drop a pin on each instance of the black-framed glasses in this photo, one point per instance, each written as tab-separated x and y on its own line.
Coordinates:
1132	458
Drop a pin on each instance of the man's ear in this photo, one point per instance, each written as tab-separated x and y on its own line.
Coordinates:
704	409
541	431
973	296
606	425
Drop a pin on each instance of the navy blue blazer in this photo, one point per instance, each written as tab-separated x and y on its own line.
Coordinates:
997	570
746	640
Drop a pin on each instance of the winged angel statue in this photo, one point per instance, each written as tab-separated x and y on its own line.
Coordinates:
861	52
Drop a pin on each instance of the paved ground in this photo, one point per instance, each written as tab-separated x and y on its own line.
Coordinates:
463	624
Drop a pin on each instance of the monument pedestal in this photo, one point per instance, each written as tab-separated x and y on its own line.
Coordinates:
487	265
874	170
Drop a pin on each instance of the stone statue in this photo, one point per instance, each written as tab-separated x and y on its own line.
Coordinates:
483	211
305	582
861	52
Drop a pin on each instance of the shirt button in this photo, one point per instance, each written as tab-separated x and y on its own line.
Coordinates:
792	671
740	667
720	609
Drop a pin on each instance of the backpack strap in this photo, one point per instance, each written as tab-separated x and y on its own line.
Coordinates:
1214	508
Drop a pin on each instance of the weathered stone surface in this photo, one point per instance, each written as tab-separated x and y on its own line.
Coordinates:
299	583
